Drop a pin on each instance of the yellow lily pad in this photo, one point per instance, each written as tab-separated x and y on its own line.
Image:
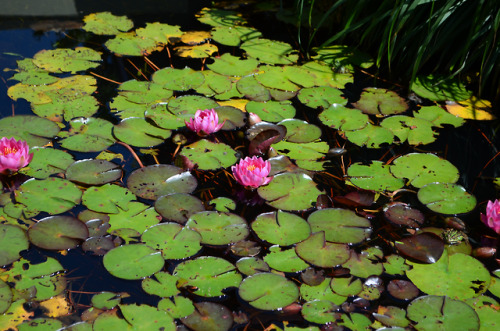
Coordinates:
473	108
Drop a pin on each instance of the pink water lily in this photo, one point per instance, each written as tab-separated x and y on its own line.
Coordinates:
205	122
492	217
252	171
14	155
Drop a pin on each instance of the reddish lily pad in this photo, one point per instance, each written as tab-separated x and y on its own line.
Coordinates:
424	247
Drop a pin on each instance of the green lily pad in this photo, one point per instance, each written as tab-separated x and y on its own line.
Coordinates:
29	74
208	155
135	216
355	321
209	316
177	306
109	198
339	117
439	89
340	225
208	275
316	250
234	35
438	116
432	312
460	276
370	135
214	83
173	240
342	56
319	311
281	228
144	92
270	51
271	111
36	131
46	162
5	296
52	195
218	228
93	172
298	131
375	176
416	131
422	169
289	191
88	135
275	78
140	133
146	317
106	300
363	265
285	260
12	241
133	261
383	102
67	109
321	97
322	291
446	198
231	65
178	79
251	265
161	284
153	181
250	87
105	23
40	324
346	286
67	60
159	32
128	43
268	291
233	117
178	207
58	232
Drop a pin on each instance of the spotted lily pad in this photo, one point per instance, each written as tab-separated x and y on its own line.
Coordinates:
12	240
300	131
316	250
274	77
133	261
218	228
270	51
422	169
383	102
88	135
446	198
58	232
128	43
231	65
177	306
36	131
375	176
268	291
161	284
46	162
140	133
438	89
321	291
67	60
438	116
370	135
209	316
105	23
339	117
281	228
159	32
208	275
285	260
208	155
178	79
174	240
136	216
320	311
93	172
109	198
234	35
416	131
364	264
153	181
52	195
178	207
321	97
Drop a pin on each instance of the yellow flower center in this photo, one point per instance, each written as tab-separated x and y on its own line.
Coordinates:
8	150
251	167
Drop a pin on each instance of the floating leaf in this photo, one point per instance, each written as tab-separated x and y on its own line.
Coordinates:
402	289
290	191
208	155
136	216
370	135
231	65
36	131
5	292
161	284
364	264
446	198
218	228
208	275
173	240
128	43
275	78
209	316
105	23
153	181
281	228
401	213
12	241
383	102
140	133
159	32
196	51
414	130
252	89
268	291
106	300
319	311
108	198
438	116
375	176
321	97
285	260
219	17
300	131
46	162
177	306
234	35
147	317
93	172
67	60
473	108
58	232
424	247
439	89
269	51
251	265
88	135
322	291
339	117
133	261
178	79
178	207
342	56
316	250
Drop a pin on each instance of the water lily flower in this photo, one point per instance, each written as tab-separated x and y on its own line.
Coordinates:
252	171
492	217
14	155
205	122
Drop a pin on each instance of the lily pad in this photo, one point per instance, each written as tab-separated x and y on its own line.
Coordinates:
140	133
209	316
416	131
128	43
270	51
446	198
105	23
231	65
432	312
218	228
208	275
438	116
364	264
268	291
136	216
370	135
375	176
88	135
322	291
5	296
422	169
161	284
108	198
251	265
147	317
275	78
340	225
153	181
177	306
300	131
67	60
339	117
382	102
285	260
208	155
52	195
281	228
46	162
178	79
106	300
250	87
93	172
58	232
423	247
159	32
12	241
321	97
400	213
178	207
320	311
36	131
173	240
133	261
290	191
438	89
316	250
271	111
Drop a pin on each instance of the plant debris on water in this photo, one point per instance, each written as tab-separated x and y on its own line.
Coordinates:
236	186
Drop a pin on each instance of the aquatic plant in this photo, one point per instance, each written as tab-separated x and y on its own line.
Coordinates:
14	154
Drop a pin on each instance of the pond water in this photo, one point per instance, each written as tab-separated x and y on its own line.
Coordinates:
359	230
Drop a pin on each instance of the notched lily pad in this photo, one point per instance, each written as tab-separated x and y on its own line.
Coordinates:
446	198
174	240
209	316
218	228
12	240
178	207
400	213
281	228
93	172
133	261
424	247
208	155
268	291
58	232
375	176
316	250
382	102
